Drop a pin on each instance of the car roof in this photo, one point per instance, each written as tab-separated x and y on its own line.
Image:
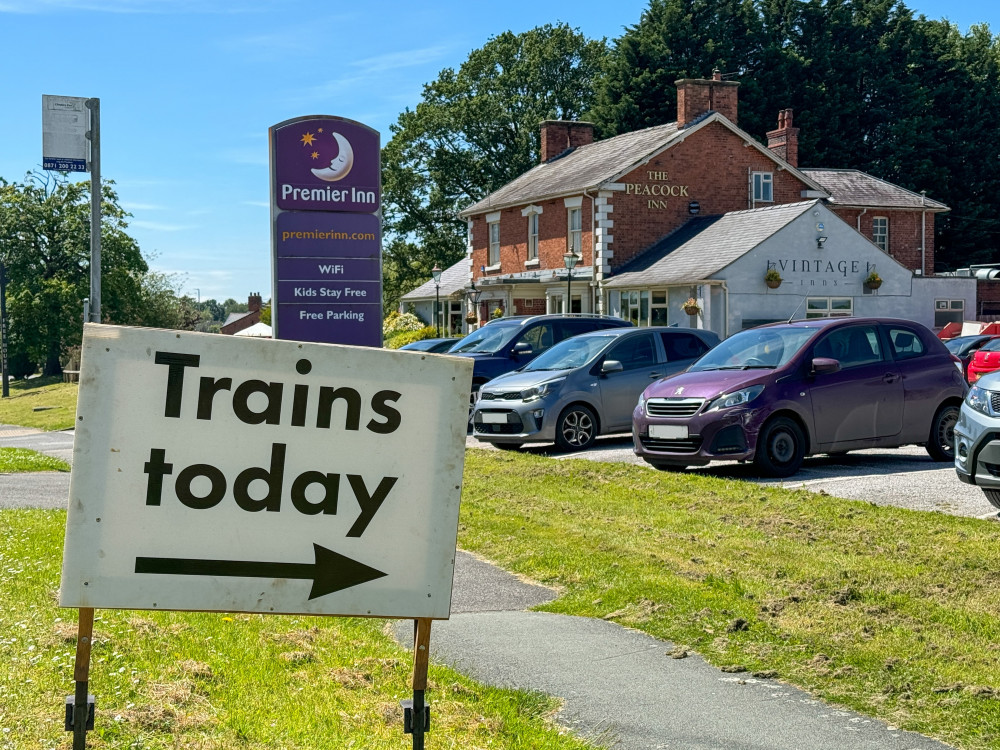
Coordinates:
519	320
819	323
632	330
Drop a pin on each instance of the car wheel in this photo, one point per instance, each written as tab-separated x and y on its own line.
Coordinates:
667	466
508	446
941	442
576	429
781	446
993	496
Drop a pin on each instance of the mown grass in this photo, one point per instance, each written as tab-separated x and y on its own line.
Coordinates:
16	460
54	400
890	612
198	680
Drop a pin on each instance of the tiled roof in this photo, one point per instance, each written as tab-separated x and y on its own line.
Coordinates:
849	187
704	245
234	316
584	167
453	280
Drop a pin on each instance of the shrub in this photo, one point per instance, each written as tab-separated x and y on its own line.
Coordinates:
400	338
399	323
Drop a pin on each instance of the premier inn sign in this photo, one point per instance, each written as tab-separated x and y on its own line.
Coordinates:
219	473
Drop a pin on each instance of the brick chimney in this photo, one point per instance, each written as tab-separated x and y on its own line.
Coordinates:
696	96
784	141
254	302
559	135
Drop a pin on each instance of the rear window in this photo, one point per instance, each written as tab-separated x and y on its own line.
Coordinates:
991	346
906	344
681	346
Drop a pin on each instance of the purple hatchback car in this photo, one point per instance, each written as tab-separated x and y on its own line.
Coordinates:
775	394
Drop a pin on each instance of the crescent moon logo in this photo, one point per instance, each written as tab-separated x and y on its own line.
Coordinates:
341	165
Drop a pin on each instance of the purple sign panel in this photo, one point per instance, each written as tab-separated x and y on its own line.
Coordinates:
299	234
333	269
332	323
325	164
326	231
329	291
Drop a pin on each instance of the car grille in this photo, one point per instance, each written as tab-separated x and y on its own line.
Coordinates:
685	445
995	402
508	396
511	427
673	407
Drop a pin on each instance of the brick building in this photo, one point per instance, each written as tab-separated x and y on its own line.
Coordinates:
656	216
239	321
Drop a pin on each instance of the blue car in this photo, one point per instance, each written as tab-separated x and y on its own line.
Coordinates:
434	346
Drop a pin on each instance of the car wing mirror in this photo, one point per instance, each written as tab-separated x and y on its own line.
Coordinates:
823	365
611	365
522	347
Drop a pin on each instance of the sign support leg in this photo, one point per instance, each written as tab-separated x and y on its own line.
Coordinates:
416	713
80	713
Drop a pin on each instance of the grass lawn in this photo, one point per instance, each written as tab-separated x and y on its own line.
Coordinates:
54	400
15	460
201	681
890	612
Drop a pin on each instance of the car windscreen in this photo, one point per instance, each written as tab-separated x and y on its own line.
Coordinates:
991	346
962	344
487	340
569	354
764	348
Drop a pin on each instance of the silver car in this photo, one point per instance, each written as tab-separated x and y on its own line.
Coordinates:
583	387
977	437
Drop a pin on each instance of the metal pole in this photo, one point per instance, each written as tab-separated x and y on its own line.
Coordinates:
569	297
94	105
437	309
3	329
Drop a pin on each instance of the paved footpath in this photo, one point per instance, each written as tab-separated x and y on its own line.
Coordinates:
619	687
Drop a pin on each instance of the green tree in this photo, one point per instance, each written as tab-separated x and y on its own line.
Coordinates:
45	231
475	129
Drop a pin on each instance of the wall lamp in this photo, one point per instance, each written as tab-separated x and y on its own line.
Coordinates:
819	242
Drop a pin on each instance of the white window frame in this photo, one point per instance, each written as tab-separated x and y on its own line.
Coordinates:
532	236
827	310
493	239
880	232
948	311
532	212
763	187
574	230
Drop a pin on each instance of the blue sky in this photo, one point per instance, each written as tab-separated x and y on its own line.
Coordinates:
188	89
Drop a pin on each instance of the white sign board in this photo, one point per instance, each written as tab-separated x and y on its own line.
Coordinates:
220	473
65	122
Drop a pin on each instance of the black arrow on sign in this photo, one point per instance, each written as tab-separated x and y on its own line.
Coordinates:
331	571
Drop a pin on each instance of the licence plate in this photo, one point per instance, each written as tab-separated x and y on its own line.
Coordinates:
668	431
492	417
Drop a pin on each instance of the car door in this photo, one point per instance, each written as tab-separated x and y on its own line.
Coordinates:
864	399
642	363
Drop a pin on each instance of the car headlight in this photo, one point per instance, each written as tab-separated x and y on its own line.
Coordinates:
642	403
736	398
979	399
540	391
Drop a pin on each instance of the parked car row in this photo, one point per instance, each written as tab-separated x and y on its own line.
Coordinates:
770	395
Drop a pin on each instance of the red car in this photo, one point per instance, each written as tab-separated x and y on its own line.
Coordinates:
987	359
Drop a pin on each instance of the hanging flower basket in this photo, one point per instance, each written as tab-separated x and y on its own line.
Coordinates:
691	307
772	278
873	281
471	318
